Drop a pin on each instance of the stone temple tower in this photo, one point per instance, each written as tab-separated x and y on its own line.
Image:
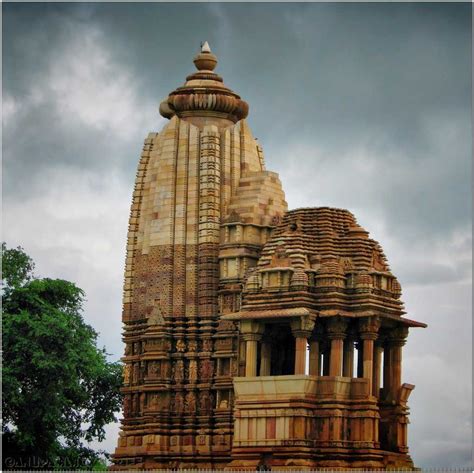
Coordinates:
255	336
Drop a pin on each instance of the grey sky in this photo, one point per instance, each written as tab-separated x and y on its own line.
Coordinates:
360	106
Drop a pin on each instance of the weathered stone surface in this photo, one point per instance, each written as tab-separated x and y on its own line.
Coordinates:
224	289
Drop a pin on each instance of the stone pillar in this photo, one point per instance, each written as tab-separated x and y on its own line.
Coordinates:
348	356
335	363
396	340
301	343
396	369
265	357
368	360
326	358
368	330
251	333
301	329
251	341
315	351
314	357
360	364
387	368
336	333
377	365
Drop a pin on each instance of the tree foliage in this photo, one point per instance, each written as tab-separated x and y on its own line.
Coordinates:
59	390
17	267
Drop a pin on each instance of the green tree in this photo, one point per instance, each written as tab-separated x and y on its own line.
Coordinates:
59	390
17	267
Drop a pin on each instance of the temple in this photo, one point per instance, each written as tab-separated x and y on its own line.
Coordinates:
256	337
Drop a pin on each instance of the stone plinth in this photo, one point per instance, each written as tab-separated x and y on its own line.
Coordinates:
305	422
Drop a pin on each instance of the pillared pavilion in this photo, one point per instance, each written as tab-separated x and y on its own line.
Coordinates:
256	337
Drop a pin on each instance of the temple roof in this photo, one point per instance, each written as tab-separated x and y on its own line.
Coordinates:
204	93
325	239
321	261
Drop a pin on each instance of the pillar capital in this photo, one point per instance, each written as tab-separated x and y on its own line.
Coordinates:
252	337
251	327
302	327
369	328
368	335
398	336
336	328
301	333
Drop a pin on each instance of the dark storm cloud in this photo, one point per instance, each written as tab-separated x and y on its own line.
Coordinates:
391	78
359	106
66	100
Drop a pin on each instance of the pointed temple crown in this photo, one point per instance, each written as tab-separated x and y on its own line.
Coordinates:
204	93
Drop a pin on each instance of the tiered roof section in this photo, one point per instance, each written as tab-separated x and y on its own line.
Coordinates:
320	260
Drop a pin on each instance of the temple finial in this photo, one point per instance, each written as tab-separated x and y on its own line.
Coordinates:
205	48
204	94
205	60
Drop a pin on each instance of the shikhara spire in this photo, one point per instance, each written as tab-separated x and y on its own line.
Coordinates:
225	290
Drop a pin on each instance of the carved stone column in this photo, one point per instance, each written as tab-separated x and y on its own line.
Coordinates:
386	370
395	341
360	365
301	343
348	356
314	357
368	330
301	329
251	340
315	352
251	333
336	333
265	357
326	358
378	349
